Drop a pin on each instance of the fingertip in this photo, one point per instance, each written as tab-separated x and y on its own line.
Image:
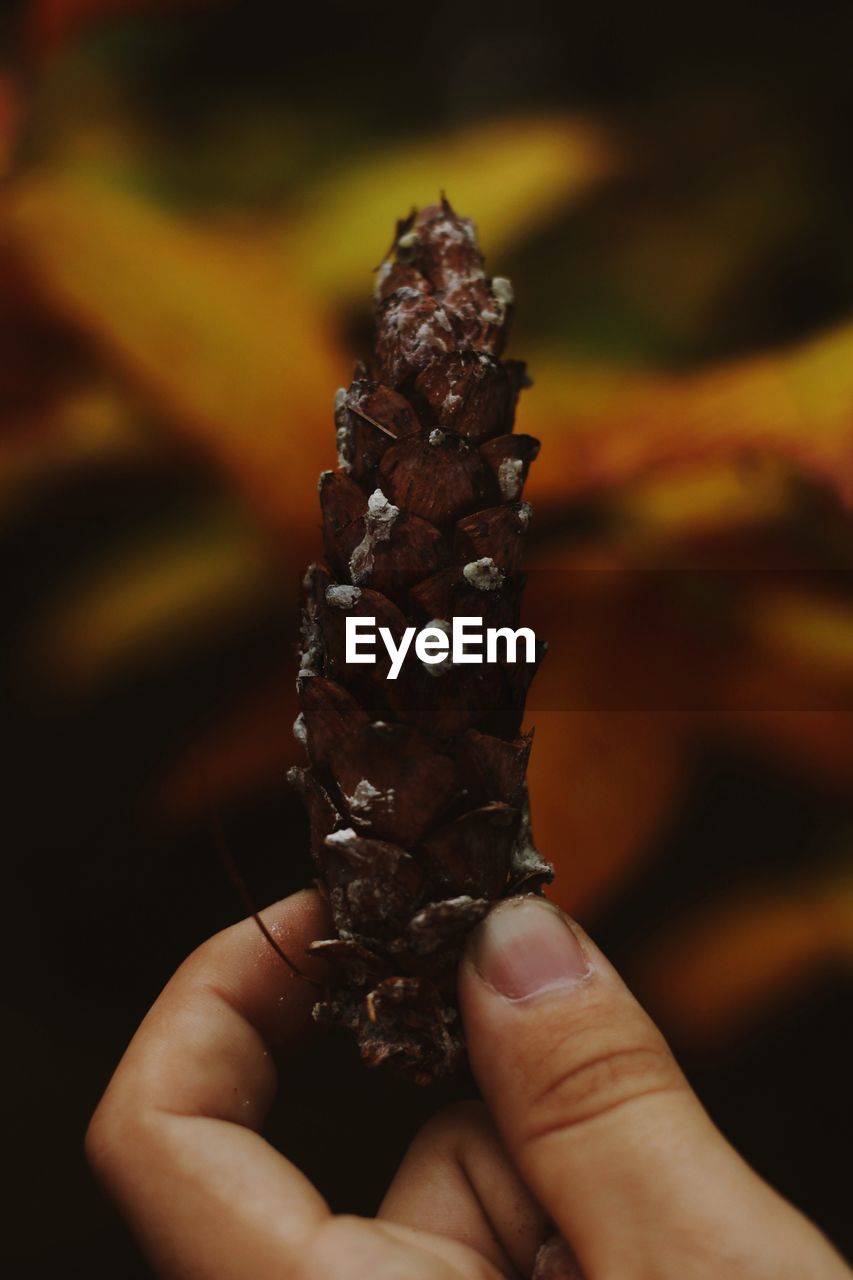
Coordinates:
271	985
292	922
524	947
305	907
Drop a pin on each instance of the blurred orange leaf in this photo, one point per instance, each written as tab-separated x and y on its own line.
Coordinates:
602	784
243	750
721	966
608	427
808	630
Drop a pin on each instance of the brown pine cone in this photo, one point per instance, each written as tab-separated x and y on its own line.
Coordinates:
415	787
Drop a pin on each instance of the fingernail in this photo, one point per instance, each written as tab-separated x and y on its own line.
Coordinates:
526	946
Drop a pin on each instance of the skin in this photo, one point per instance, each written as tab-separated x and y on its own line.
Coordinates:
598	1131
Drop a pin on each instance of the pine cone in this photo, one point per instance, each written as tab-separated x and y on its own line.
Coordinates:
415	788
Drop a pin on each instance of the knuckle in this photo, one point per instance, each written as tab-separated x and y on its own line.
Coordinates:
116	1138
455	1119
368	1248
100	1142
451	1132
579	1086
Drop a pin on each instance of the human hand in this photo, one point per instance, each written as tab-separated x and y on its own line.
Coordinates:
595	1130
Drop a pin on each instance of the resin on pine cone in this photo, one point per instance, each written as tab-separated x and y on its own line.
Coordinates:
415	787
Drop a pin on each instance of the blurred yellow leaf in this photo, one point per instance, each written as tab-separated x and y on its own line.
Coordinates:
663	510
510	175
226	333
92	424
216	334
151	599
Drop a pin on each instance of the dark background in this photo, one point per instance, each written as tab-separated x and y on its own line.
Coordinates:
724	235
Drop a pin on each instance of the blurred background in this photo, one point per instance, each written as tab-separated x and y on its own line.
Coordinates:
195	195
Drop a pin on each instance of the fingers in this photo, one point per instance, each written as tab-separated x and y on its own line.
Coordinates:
456	1180
599	1119
173	1138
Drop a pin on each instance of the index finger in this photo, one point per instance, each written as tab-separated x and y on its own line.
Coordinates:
175	1137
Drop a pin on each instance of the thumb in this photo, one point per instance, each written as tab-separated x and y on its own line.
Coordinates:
598	1118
